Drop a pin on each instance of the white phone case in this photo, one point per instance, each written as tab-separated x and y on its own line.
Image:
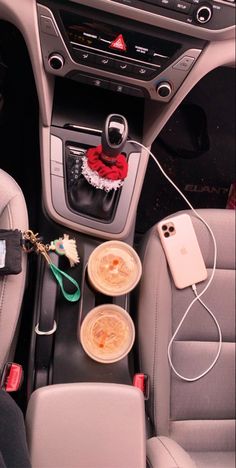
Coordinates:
182	250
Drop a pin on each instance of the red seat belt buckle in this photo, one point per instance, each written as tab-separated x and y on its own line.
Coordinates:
12	377
141	381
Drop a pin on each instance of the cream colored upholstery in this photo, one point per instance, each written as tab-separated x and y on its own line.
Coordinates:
13	215
86	425
198	416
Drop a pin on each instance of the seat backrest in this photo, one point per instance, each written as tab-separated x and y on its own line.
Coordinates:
198	415
13	215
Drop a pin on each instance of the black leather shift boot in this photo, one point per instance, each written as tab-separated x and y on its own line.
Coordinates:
95	203
83	197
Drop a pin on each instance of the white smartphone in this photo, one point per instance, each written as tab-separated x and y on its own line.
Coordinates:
182	250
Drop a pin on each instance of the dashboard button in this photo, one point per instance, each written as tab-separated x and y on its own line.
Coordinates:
56	61
164	89
47	26
85	57
99	83
142	72
203	13
104	62
119	88
184	64
123	67
181	6
56	168
166	3
90	80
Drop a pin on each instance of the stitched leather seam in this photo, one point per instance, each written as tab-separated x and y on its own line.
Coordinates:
150	465
156	350
154	412
143	261
7	203
5	277
14	325
152	393
166	448
4	282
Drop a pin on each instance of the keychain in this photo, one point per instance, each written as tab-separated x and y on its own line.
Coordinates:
62	246
66	246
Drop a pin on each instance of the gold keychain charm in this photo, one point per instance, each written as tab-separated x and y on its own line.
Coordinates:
33	243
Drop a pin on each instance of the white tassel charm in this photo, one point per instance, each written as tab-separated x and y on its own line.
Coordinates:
66	246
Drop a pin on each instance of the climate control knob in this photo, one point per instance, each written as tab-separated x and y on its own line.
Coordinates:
164	89
56	61
203	14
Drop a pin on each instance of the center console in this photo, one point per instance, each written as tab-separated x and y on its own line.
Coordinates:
77	124
104	63
72	197
128	57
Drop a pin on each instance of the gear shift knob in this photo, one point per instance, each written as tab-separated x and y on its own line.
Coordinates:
114	135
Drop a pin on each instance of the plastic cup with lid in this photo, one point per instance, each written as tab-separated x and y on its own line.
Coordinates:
114	268
107	333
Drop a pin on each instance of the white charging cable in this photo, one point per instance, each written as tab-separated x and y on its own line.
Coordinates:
197	295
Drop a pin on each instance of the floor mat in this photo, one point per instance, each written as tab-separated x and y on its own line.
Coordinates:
196	148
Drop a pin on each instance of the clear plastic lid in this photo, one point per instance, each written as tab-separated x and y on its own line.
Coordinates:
114	268
107	333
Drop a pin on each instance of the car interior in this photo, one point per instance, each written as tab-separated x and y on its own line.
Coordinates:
117	230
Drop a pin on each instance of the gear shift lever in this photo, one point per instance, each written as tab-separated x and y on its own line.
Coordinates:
105	167
114	137
103	170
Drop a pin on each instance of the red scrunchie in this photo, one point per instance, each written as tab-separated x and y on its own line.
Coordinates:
115	172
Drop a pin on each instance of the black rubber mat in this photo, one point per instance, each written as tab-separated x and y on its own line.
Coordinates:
197	150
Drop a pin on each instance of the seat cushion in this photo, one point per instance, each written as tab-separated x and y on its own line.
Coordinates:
163	452
198	415
213	459
13	215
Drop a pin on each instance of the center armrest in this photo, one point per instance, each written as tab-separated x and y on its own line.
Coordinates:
87	425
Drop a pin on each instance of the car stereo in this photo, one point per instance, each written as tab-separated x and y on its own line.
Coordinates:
131	47
115	53
209	14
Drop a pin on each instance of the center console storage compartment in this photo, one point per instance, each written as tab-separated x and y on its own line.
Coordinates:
77	122
87	425
59	358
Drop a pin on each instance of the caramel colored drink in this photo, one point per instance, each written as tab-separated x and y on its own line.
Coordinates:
114	268
107	333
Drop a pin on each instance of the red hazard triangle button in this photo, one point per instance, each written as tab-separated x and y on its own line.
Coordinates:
118	43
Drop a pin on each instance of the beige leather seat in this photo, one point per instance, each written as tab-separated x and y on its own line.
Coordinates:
193	421
13	215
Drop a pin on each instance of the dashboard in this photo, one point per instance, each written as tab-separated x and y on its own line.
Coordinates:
123	54
153	49
115	53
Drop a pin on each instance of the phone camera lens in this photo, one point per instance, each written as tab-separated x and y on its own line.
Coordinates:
166	234
171	229
164	227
